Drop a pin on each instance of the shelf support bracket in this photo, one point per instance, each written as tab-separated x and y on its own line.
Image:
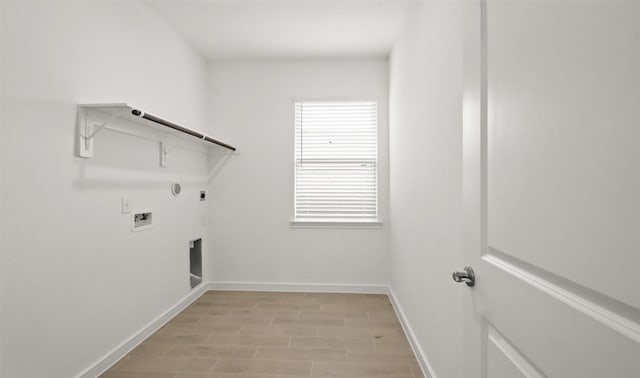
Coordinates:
88	132
165	151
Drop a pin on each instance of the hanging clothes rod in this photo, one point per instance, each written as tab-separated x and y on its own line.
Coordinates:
163	122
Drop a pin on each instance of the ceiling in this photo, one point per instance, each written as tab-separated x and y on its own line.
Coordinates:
285	29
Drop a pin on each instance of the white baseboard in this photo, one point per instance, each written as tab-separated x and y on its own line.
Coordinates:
121	350
427	368
298	287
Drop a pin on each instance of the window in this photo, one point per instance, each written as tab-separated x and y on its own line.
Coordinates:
336	156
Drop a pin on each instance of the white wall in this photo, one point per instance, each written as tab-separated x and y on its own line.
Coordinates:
426	183
1	229
75	281
252	105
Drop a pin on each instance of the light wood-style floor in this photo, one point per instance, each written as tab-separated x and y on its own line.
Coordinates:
269	335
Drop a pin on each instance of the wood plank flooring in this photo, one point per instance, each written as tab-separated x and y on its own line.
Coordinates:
236	334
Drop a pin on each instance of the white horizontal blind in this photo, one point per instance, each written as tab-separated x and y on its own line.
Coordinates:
336	152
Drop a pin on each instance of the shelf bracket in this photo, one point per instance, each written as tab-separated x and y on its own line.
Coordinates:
89	131
165	150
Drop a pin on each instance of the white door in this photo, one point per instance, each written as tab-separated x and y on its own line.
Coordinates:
552	188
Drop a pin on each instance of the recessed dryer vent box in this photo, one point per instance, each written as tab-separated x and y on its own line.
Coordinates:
195	262
141	221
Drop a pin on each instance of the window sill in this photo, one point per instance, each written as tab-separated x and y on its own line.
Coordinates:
335	224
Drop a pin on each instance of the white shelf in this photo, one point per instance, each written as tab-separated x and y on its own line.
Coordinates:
93	118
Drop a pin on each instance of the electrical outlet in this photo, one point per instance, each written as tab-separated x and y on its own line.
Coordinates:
126	207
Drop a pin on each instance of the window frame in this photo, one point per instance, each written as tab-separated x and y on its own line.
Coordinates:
336	223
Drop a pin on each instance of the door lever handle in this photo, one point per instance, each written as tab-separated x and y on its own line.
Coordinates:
467	276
